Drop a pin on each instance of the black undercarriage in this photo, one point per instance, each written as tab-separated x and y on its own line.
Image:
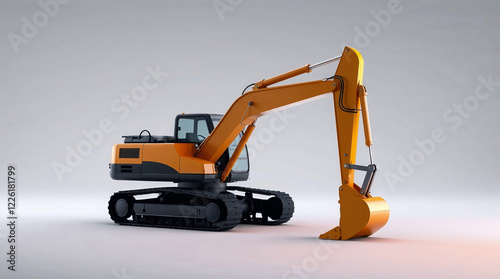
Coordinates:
191	208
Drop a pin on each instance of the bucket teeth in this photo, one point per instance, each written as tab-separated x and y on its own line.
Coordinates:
333	234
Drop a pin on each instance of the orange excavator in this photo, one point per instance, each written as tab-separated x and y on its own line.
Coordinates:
208	151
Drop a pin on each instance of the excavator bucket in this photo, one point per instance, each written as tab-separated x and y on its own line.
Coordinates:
359	215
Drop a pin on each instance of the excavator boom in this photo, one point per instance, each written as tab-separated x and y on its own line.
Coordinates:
361	214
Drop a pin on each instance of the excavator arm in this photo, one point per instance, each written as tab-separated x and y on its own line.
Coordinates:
361	214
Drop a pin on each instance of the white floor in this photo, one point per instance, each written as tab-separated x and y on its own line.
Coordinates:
424	245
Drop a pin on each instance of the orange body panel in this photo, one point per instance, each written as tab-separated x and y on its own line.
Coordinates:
196	166
178	156
164	153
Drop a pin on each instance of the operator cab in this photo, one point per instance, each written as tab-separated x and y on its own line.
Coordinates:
195	128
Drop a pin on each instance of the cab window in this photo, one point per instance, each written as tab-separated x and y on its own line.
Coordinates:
241	164
193	130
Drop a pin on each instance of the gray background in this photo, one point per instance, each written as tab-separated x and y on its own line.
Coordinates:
421	64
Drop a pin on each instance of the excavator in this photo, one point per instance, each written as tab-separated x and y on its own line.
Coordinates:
208	151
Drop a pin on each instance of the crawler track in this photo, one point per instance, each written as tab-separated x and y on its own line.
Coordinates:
192	204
